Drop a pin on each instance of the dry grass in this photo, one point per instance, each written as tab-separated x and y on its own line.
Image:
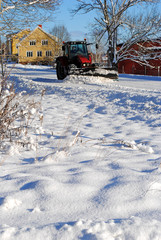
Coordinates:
17	113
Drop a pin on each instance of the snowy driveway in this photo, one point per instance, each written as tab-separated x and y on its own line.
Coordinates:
97	174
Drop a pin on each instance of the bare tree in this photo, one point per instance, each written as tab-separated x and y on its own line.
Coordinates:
19	13
142	41
16	110
116	17
61	33
99	48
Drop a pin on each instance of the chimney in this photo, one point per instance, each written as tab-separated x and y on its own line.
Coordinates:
40	25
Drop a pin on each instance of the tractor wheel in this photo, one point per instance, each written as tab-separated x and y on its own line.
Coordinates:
61	71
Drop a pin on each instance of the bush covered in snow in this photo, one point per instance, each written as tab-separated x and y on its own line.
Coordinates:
17	112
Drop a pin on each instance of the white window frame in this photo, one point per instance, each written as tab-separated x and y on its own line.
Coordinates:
48	53
44	42
29	53
32	42
39	53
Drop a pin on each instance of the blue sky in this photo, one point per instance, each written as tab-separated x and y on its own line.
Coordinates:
78	26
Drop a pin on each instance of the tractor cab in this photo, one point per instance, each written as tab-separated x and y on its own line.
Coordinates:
72	49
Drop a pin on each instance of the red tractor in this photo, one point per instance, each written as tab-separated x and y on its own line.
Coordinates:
77	61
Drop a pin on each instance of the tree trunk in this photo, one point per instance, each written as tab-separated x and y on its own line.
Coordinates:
2	71
112	51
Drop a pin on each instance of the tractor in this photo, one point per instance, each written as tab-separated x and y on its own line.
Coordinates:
76	60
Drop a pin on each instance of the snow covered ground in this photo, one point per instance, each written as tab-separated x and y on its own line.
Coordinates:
96	170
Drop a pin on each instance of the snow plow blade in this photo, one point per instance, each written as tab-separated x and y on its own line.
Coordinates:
108	73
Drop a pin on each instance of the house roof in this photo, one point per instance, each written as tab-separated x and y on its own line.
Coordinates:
49	35
16	33
153	40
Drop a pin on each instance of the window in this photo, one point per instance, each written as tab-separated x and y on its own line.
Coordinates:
32	42
29	54
78	48
39	53
44	42
48	53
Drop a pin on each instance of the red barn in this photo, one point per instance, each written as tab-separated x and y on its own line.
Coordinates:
143	58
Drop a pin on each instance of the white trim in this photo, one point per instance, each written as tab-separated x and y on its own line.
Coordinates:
49	53
32	41
44	42
39	52
28	53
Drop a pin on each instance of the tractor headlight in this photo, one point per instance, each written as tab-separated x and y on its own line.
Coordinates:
85	64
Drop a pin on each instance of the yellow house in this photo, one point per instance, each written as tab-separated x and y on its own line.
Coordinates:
37	47
13	41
